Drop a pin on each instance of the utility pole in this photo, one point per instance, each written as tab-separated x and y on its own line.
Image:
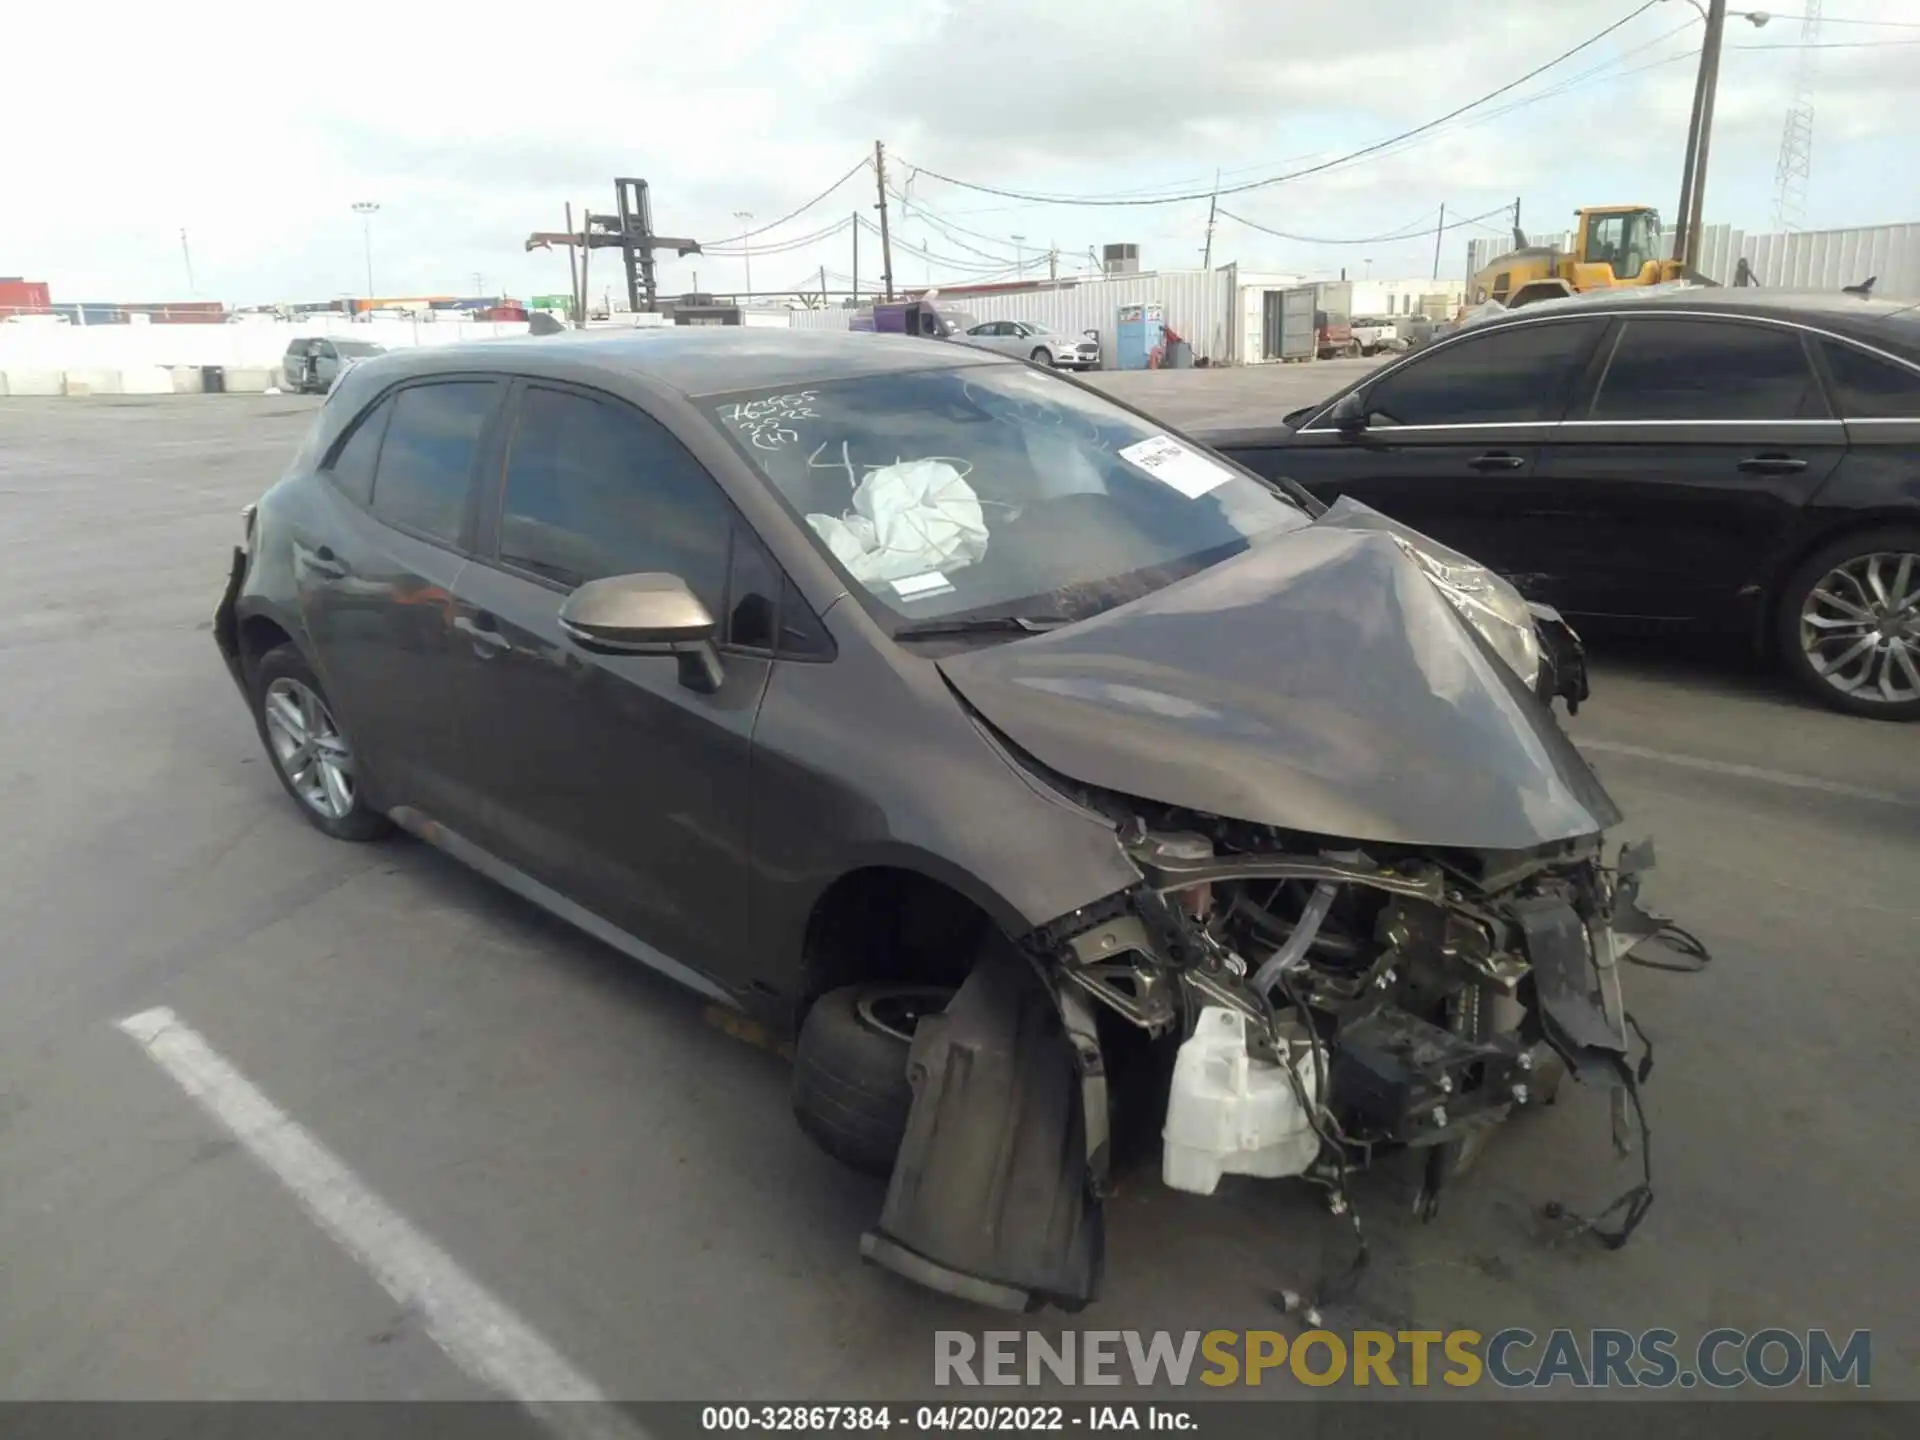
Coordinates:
886	239
1213	208
1053	263
1438	231
187	255
1019	259
856	255
1693	173
578	300
823	287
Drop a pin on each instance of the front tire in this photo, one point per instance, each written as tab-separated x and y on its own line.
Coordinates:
850	1089
309	751
1042	356
1848	624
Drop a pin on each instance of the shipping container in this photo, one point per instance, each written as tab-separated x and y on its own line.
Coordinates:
19	294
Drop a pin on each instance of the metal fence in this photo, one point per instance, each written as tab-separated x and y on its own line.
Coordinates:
1197	305
1809	260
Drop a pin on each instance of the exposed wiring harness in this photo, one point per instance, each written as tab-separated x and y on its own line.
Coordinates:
1632	1205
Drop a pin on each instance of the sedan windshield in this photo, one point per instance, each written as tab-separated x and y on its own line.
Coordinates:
996	490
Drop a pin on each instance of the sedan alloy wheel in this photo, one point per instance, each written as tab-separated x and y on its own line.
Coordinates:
1860	628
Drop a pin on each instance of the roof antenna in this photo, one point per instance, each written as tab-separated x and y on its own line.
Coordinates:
1863	289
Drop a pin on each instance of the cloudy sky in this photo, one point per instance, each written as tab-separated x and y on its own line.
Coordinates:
255	127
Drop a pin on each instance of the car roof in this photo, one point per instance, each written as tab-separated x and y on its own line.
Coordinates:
701	359
1891	323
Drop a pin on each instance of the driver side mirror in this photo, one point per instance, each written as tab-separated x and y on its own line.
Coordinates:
649	614
1349	413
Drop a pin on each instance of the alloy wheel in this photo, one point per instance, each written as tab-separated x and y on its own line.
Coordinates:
309	748
1860	627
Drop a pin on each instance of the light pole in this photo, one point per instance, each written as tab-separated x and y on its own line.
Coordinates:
1693	172
745	217
1019	259
366	210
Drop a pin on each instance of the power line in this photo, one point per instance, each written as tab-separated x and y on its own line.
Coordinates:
777	247
1828	45
863	163
1035	199
1833	20
1410	233
996	265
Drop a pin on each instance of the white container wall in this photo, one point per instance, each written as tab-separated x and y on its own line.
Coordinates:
253	345
1198	305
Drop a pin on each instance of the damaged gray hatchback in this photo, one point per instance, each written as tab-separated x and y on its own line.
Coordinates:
1039	770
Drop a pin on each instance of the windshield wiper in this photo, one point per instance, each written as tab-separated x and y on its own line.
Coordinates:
981	625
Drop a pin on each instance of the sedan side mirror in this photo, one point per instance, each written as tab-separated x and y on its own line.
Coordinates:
649	614
1349	413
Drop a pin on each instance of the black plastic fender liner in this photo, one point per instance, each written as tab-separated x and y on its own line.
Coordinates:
994	1197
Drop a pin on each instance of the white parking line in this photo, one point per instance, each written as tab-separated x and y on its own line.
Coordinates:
1750	772
478	1333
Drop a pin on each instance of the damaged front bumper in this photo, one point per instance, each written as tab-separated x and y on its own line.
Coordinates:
1440	1007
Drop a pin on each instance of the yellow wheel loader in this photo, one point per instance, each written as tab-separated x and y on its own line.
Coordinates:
1616	245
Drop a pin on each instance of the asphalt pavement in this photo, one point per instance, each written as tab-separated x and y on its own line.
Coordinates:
579	1158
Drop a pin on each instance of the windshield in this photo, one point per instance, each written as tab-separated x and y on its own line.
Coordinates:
995	490
358	347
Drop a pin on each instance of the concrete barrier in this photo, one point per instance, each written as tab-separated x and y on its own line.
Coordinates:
146	380
249	382
93	382
36	382
3	384
187	380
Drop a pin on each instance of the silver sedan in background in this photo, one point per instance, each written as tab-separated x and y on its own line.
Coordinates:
1033	341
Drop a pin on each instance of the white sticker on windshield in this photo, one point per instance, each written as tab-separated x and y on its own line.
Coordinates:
922	586
1172	463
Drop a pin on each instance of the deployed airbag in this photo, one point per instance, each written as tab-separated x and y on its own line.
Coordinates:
909	519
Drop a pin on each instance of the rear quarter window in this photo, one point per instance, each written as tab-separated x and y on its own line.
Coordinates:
1869	387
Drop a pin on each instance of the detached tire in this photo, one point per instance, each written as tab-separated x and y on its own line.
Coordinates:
1850	591
850	1090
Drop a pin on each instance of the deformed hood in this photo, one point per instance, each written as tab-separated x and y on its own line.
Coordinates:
1318	682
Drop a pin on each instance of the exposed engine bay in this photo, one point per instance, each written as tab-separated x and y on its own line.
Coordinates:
1329	1004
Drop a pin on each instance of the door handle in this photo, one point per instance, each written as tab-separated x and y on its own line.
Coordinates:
1496	460
1771	465
321	562
487	642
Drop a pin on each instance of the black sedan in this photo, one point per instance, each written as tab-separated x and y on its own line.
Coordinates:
968	723
1737	461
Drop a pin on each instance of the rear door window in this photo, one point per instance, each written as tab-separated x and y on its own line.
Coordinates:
1690	369
1870	388
1512	375
427	458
